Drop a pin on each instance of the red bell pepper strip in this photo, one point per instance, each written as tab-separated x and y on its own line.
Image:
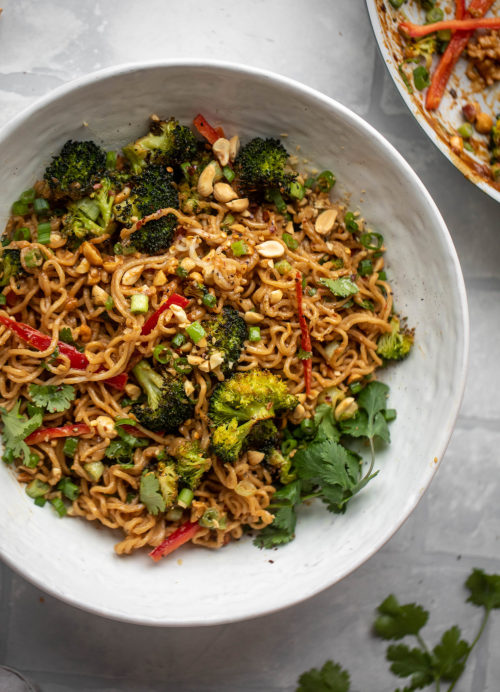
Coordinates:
305	339
469	24
454	49
132	430
41	342
46	434
184	533
459	9
152	321
206	130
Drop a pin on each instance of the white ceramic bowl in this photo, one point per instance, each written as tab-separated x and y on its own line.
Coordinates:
71	559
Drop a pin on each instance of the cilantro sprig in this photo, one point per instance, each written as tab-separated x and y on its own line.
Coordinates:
323	466
53	398
424	667
16	428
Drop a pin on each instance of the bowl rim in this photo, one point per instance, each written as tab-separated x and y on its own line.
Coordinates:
385	54
463	317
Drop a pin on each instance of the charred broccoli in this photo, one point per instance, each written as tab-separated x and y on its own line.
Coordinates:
260	165
152	190
167	405
226	334
92	215
264	437
73	172
238	405
191	464
396	344
167	142
10	265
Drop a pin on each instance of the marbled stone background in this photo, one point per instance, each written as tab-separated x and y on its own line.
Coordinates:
327	44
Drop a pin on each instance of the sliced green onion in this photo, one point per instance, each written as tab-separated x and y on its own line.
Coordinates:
28	196
111	160
239	248
178	340
22	233
8	456
68	488
397	3
209	300
174	514
95	469
434	15
182	366
283	267
185	498
41	206
372	241
33	460
139	304
118	249
162	354
291	242
180	271
276	198
195	332
465	130
127	467
59	506
421	78
109	304
355	387
365	267
229	174
3	299
390	414
19	208
228	220
325	181
367	305
212	520
309	183
296	190
254	334
90	208
43	233
40	501
37	488
70	446
350	222
382	275
312	290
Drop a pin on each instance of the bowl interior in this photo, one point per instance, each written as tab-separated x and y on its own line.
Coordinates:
73	559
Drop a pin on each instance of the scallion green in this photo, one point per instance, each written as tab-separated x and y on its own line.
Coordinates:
70	446
43	233
209	300
291	242
28	196
254	334
178	340
296	190
19	208
37	488
372	241
41	206
162	354
195	332
185	498
325	181
111	159
59	506
139	304
68	488
22	233
421	78
229	174
365	267
239	248
283	267
95	469
181	366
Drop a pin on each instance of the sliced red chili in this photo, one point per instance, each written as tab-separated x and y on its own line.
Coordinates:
182	535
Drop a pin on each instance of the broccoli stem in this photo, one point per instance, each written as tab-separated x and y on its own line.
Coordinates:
150	381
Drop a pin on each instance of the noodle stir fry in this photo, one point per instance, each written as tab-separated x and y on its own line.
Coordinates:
189	334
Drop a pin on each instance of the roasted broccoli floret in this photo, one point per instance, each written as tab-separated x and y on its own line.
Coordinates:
264	437
253	395
283	465
158	488
91	215
189	197
260	165
73	172
168	478
226	334
167	142
10	265
151	190
396	344
167	404
237	407
191	464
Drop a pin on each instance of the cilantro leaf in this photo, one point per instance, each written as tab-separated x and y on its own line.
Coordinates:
407	662
341	288
373	399
326	425
359	426
451	655
282	530
484	589
150	495
123	446
16	429
396	621
331	678
53	398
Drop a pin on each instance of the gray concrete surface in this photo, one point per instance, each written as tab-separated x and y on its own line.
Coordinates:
328	45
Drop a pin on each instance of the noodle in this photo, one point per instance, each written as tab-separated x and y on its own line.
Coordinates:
60	293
